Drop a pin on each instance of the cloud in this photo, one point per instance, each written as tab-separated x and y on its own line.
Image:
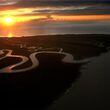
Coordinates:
93	9
52	3
8	2
33	8
40	10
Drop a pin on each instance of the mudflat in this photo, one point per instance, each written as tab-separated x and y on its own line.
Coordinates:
35	71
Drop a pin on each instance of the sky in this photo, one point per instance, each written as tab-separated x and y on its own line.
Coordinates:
54	16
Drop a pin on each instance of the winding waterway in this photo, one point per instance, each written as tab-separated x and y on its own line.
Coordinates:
35	62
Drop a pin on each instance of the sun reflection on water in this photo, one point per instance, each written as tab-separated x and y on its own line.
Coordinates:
10	35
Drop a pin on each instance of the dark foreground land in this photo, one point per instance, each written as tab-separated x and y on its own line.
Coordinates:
40	87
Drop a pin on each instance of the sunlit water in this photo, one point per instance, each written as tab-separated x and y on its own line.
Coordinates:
51	28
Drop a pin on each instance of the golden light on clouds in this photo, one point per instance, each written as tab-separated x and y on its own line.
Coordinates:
14	16
80	17
29	18
15	12
11	20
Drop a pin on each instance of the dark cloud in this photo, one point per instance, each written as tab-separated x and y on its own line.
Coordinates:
77	10
66	7
39	3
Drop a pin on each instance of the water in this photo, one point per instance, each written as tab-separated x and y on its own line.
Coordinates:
50	28
91	91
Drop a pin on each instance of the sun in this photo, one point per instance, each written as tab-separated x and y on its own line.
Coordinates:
9	20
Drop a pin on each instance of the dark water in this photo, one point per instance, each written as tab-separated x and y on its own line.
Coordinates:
91	91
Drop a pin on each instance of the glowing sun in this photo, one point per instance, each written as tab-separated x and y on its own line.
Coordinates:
8	21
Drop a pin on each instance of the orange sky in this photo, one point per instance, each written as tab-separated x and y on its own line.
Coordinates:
73	18
28	14
15	14
81	17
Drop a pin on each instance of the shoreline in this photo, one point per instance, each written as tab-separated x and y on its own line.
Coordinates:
41	35
90	90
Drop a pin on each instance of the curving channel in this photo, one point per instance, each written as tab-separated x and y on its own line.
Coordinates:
35	62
